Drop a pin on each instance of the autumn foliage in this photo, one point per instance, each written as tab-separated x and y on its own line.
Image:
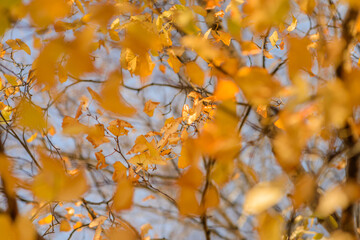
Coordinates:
156	119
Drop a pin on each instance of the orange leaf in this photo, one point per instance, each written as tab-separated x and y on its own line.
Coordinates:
195	73
150	107
53	184
123	196
101	160
97	135
46	220
249	48
65	226
226	89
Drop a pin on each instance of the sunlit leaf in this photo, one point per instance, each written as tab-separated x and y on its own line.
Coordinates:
274	38
292	25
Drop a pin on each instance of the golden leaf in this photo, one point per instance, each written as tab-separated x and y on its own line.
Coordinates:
101	160
46	63
111	99
195	73
97	135
226	89
270	226
257	85
249	48
72	126
30	115
123	196
298	55
43	12
263	196
117	127
150	107
274	38
119	171
32	138
65	226
46	220
292	25
174	62
54	184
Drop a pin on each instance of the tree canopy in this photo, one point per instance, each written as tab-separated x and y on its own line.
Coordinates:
181	119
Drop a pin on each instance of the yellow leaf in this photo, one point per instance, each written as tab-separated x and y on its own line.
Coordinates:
97	221
13	44
78	225
270	226
65	226
123	196
115	24
189	182
338	197
267	54
62	73
31	116
199	10
274	38
292	25
195	73
279	123
23	46
11	79
97	135
79	59
226	89
102	13
72	126
262	110
308	5
18	44
188	155
249	48
336	103
111	99
119	171
19	229
32	138
141	37
174	62
145	229
263	196
46	220
114	35
211	198
304	190
187	202
257	85
117	127
46	63
298	55
54	184
6	113
203	48
101	160
150	107
80	6
44	12
225	37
